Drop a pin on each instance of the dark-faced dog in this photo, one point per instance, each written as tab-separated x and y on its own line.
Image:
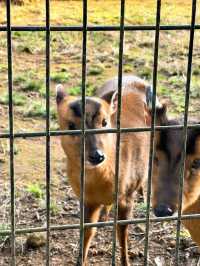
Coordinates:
167	170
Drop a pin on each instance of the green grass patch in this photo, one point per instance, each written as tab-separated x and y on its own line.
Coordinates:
38	109
3	68
60	77
29	81
29	42
18	99
3	227
76	91
54	208
33	85
177	81
35	190
141	208
184	234
95	70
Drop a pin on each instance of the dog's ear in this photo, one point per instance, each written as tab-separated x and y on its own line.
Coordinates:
161	114
60	93
149	97
114	102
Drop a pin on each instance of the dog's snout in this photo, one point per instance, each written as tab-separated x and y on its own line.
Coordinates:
163	210
96	157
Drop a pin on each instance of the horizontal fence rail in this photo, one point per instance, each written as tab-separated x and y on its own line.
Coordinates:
100	224
101	28
94	131
48	133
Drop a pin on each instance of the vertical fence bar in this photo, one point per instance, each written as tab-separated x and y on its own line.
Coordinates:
151	151
187	99
82	177
117	155
11	137
47	131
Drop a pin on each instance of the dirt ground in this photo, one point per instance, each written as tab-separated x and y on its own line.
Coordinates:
29	116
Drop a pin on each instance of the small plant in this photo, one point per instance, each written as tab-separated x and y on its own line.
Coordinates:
3	227
77	90
32	85
3	67
54	208
61	77
19	79
141	208
95	70
35	190
184	234
18	99
38	109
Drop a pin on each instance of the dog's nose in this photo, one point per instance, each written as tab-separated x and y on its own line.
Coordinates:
96	157
163	210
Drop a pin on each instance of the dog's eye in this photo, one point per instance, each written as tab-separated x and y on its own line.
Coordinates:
71	126
196	164
104	123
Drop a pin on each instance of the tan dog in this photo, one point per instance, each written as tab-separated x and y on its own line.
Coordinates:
167	164
100	150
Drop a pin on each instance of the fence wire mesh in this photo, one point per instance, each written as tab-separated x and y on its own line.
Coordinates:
83	132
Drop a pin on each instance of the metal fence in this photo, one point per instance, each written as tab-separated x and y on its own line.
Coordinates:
83	132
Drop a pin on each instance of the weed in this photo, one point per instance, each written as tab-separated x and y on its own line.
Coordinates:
38	109
196	71
32	85
19	79
145	72
3	227
90	89
184	234
54	208
60	77
35	190
74	91
95	70
18	99
3	68
141	208
177	81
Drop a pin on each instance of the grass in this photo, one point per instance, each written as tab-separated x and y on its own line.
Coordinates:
18	99
54	207
33	85
60	77
3	67
3	227
102	50
100	12
35	190
29	42
75	91
95	70
38	109
141	208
